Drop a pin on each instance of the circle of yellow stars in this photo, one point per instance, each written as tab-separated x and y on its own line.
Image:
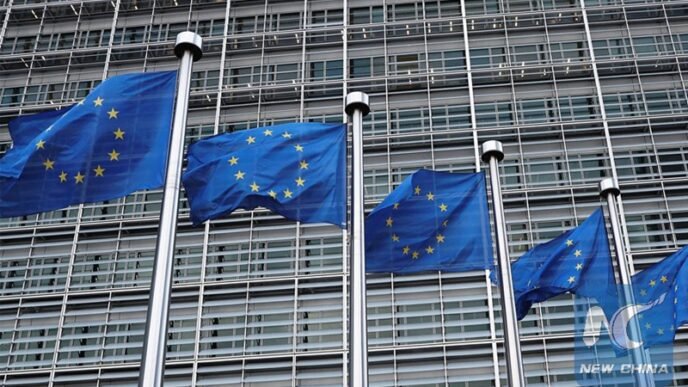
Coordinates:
285	193
99	171
579	265
657	287
427	249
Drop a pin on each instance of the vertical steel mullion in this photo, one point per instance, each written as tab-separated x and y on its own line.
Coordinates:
394	328
246	309
111	41
302	90
635	63
263	73
248	288
5	21
72	254
21	299
206	228
471	94
605	124
426	27
443	328
652	136
345	236
65	297
295	331
477	165
106	329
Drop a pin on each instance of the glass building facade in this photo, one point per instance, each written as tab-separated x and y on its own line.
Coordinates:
577	90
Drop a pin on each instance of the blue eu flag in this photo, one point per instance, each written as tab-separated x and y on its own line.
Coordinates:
432	221
296	170
661	290
108	145
577	261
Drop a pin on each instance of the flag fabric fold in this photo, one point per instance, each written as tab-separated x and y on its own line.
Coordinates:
578	261
431	221
113	142
662	290
297	170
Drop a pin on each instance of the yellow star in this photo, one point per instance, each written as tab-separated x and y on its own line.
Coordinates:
572	279
79	178
443	207
287	193
40	144
577	253
430	196
653	283
445	223
664	279
303	164
389	221
415	255
112	113
396	206
267	132
569	242
643	292
406	250
417	190
440	238
648	326
299	182
233	160
49	164
579	266
114	155
395	238
251	140
286	135
660	331
119	134
98	101
273	194
298	148
239	175
63	177
99	170
254	187
429	250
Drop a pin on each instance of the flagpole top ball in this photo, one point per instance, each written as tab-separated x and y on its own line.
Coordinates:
188	40
357	101
492	148
607	186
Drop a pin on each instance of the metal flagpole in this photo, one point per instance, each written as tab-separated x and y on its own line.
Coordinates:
609	190
188	49
493	153
357	107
